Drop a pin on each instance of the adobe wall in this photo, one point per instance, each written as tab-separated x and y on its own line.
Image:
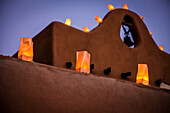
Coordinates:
107	49
29	87
105	46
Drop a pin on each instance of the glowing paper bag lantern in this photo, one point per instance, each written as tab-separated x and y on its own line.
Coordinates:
98	19
150	33
141	17
26	49
125	6
142	75
68	22
83	62
110	7
161	48
85	28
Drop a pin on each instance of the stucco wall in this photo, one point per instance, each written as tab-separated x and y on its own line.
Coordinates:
105	46
29	87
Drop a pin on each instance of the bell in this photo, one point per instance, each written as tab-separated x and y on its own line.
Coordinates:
128	41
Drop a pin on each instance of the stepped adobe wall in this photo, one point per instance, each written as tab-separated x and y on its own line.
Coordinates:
58	44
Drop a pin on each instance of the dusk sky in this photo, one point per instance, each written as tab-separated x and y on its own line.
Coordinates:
26	18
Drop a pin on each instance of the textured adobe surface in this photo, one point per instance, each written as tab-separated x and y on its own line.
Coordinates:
58	43
28	87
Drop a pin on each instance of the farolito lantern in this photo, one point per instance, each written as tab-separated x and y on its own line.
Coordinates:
85	28
161	48
26	49
150	33
83	62
142	75
68	22
141	17
98	19
125	6
110	7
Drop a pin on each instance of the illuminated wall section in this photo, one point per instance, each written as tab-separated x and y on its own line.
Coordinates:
83	62
26	49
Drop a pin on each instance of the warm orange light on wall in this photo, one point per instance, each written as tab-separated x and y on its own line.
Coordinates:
85	28
141	17
142	75
68	22
110	7
26	49
98	19
83	62
161	48
125	6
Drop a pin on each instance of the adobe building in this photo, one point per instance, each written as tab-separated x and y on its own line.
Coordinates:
45	85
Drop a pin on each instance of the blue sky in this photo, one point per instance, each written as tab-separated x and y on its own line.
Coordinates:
26	18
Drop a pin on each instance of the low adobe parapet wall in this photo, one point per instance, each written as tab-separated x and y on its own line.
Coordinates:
29	87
